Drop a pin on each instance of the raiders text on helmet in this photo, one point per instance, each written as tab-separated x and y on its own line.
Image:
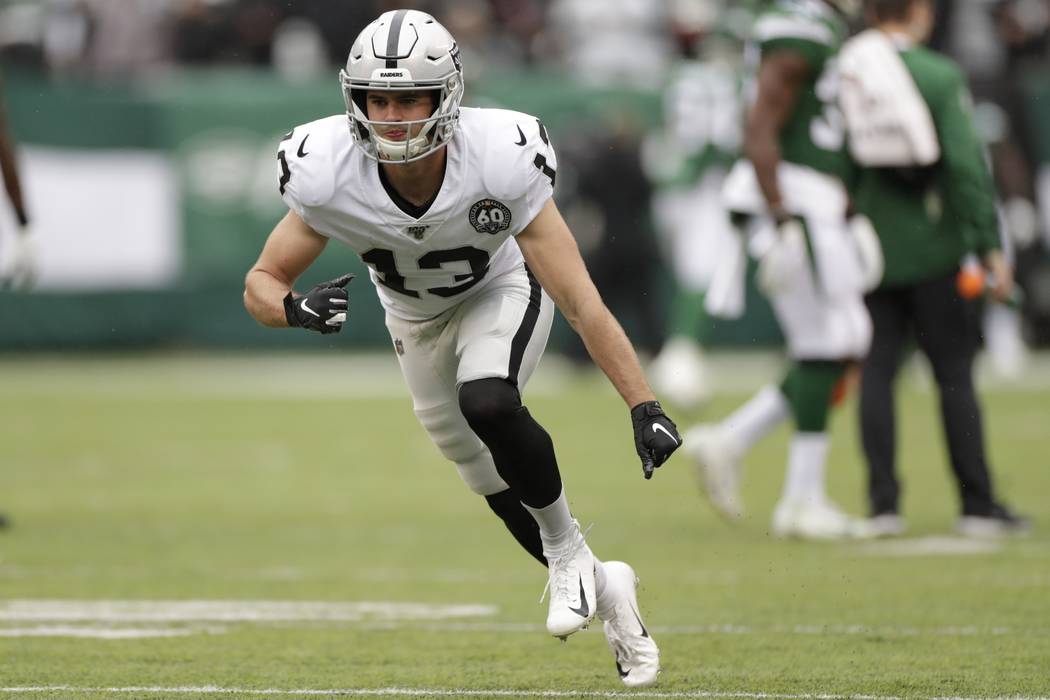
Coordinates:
403	50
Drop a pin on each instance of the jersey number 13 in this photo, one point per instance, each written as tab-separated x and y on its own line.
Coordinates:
385	265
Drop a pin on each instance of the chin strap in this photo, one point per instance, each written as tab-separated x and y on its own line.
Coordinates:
405	150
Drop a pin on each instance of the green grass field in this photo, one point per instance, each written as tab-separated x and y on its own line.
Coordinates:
166	480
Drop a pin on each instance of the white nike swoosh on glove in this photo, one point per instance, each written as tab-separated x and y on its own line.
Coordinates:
308	310
657	426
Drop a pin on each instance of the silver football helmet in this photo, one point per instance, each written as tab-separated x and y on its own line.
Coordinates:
403	50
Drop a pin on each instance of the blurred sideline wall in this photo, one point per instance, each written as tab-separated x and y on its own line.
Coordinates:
151	200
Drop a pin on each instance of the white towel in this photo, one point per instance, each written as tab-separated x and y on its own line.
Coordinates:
726	295
888	122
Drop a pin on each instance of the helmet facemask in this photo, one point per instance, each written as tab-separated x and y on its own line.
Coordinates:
437	129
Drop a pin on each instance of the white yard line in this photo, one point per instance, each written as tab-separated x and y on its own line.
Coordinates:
98	632
495	692
228	611
122	619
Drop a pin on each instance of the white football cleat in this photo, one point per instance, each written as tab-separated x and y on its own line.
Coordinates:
717	464
815	520
884	525
637	656
570	582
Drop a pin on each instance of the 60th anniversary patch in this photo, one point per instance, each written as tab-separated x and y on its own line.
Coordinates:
489	216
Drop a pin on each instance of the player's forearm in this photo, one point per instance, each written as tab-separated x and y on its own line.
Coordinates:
763	150
264	298
11	181
611	350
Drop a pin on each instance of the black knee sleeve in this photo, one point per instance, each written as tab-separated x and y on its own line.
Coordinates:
519	521
521	449
485	402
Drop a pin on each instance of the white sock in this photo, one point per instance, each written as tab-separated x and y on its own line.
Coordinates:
557	528
599	587
804	481
755	419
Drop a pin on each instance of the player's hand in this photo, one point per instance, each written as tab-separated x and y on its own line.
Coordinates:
785	259
19	272
1001	277
655	435
322	309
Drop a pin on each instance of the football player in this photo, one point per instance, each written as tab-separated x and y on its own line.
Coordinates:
787	196
451	210
687	160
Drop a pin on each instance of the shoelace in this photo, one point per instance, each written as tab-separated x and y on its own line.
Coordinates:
563	582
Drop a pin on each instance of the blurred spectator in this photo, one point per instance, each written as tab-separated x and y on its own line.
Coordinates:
922	296
21	30
603	42
198	31
483	44
299	51
126	37
66	33
338	22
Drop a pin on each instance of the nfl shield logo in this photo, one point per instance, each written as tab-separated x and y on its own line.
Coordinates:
399	347
416	231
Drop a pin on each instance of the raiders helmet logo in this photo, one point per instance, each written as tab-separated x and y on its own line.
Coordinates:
489	216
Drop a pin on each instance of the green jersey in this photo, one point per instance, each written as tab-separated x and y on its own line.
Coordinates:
813	135
929	219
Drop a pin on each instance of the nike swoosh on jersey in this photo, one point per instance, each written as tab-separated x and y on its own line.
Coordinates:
307	309
584	610
522	135
301	153
657	426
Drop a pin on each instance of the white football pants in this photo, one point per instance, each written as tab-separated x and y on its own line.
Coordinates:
499	332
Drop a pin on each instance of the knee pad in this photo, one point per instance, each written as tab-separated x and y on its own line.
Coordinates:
486	401
449	431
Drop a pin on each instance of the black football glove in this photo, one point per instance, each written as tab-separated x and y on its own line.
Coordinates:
655	435
322	309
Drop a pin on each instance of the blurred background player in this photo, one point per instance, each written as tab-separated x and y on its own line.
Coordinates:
923	182
452	210
789	200
16	264
687	160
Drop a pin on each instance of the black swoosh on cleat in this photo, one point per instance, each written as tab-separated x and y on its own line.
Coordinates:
645	632
584	610
619	669
301	153
522	135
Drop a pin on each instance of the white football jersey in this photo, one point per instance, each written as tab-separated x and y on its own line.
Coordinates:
500	172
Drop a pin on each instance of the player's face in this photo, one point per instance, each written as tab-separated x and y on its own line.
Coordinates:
398	106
